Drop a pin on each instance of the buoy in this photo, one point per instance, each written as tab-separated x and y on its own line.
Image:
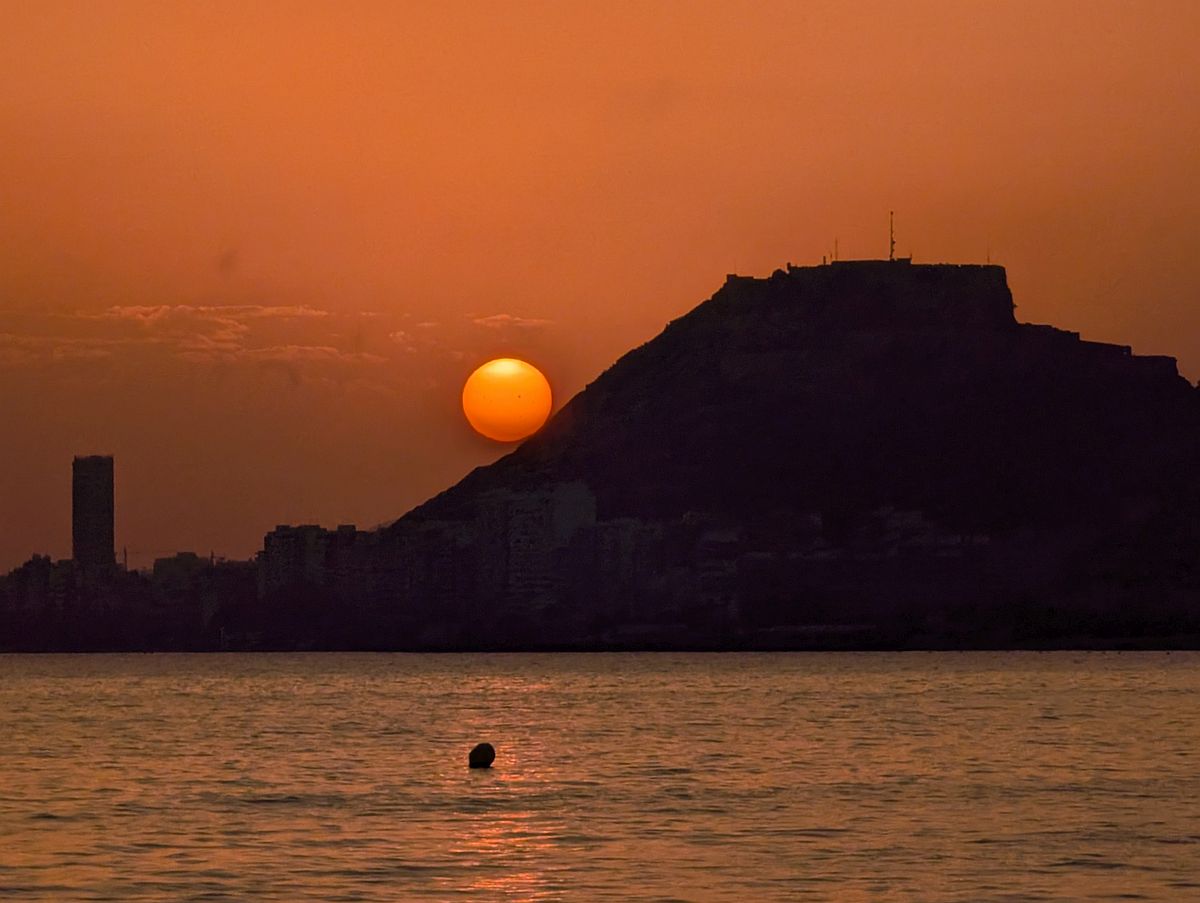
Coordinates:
482	756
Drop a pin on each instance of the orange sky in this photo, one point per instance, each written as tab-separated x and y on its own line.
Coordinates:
253	250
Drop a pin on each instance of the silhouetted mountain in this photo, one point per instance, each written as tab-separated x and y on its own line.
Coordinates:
866	453
844	388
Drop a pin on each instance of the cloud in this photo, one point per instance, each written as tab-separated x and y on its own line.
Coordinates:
228	312
292	312
21	350
504	321
403	340
386	352
15	351
80	353
156	335
297	353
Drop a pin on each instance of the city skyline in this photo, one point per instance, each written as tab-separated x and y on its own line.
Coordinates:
670	506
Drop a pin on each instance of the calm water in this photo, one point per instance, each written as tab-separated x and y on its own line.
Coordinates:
686	777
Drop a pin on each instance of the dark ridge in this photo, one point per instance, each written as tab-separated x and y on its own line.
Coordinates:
845	387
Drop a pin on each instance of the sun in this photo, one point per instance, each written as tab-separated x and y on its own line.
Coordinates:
506	400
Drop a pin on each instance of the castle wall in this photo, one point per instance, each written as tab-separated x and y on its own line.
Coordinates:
885	294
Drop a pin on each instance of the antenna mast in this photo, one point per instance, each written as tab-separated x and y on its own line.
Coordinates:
891	235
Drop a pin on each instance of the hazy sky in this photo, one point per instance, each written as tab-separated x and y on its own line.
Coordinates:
254	249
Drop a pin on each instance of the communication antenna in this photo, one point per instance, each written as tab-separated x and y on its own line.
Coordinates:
835	249
891	235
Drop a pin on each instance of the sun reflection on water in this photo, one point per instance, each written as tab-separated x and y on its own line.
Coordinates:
722	778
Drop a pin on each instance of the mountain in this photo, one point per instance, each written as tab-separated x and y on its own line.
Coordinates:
859	384
863	453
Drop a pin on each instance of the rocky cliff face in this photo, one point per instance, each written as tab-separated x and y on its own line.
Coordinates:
843	388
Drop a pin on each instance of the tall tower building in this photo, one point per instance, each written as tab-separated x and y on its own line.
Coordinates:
92	542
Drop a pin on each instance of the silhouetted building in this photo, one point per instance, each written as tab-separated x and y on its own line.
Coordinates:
523	532
179	572
92	543
293	556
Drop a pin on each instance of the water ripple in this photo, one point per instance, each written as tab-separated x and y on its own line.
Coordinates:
920	777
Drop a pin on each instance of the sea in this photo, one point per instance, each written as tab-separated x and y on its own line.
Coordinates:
726	777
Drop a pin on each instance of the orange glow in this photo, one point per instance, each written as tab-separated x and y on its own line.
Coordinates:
254	249
506	400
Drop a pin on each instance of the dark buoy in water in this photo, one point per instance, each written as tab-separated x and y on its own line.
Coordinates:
482	756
